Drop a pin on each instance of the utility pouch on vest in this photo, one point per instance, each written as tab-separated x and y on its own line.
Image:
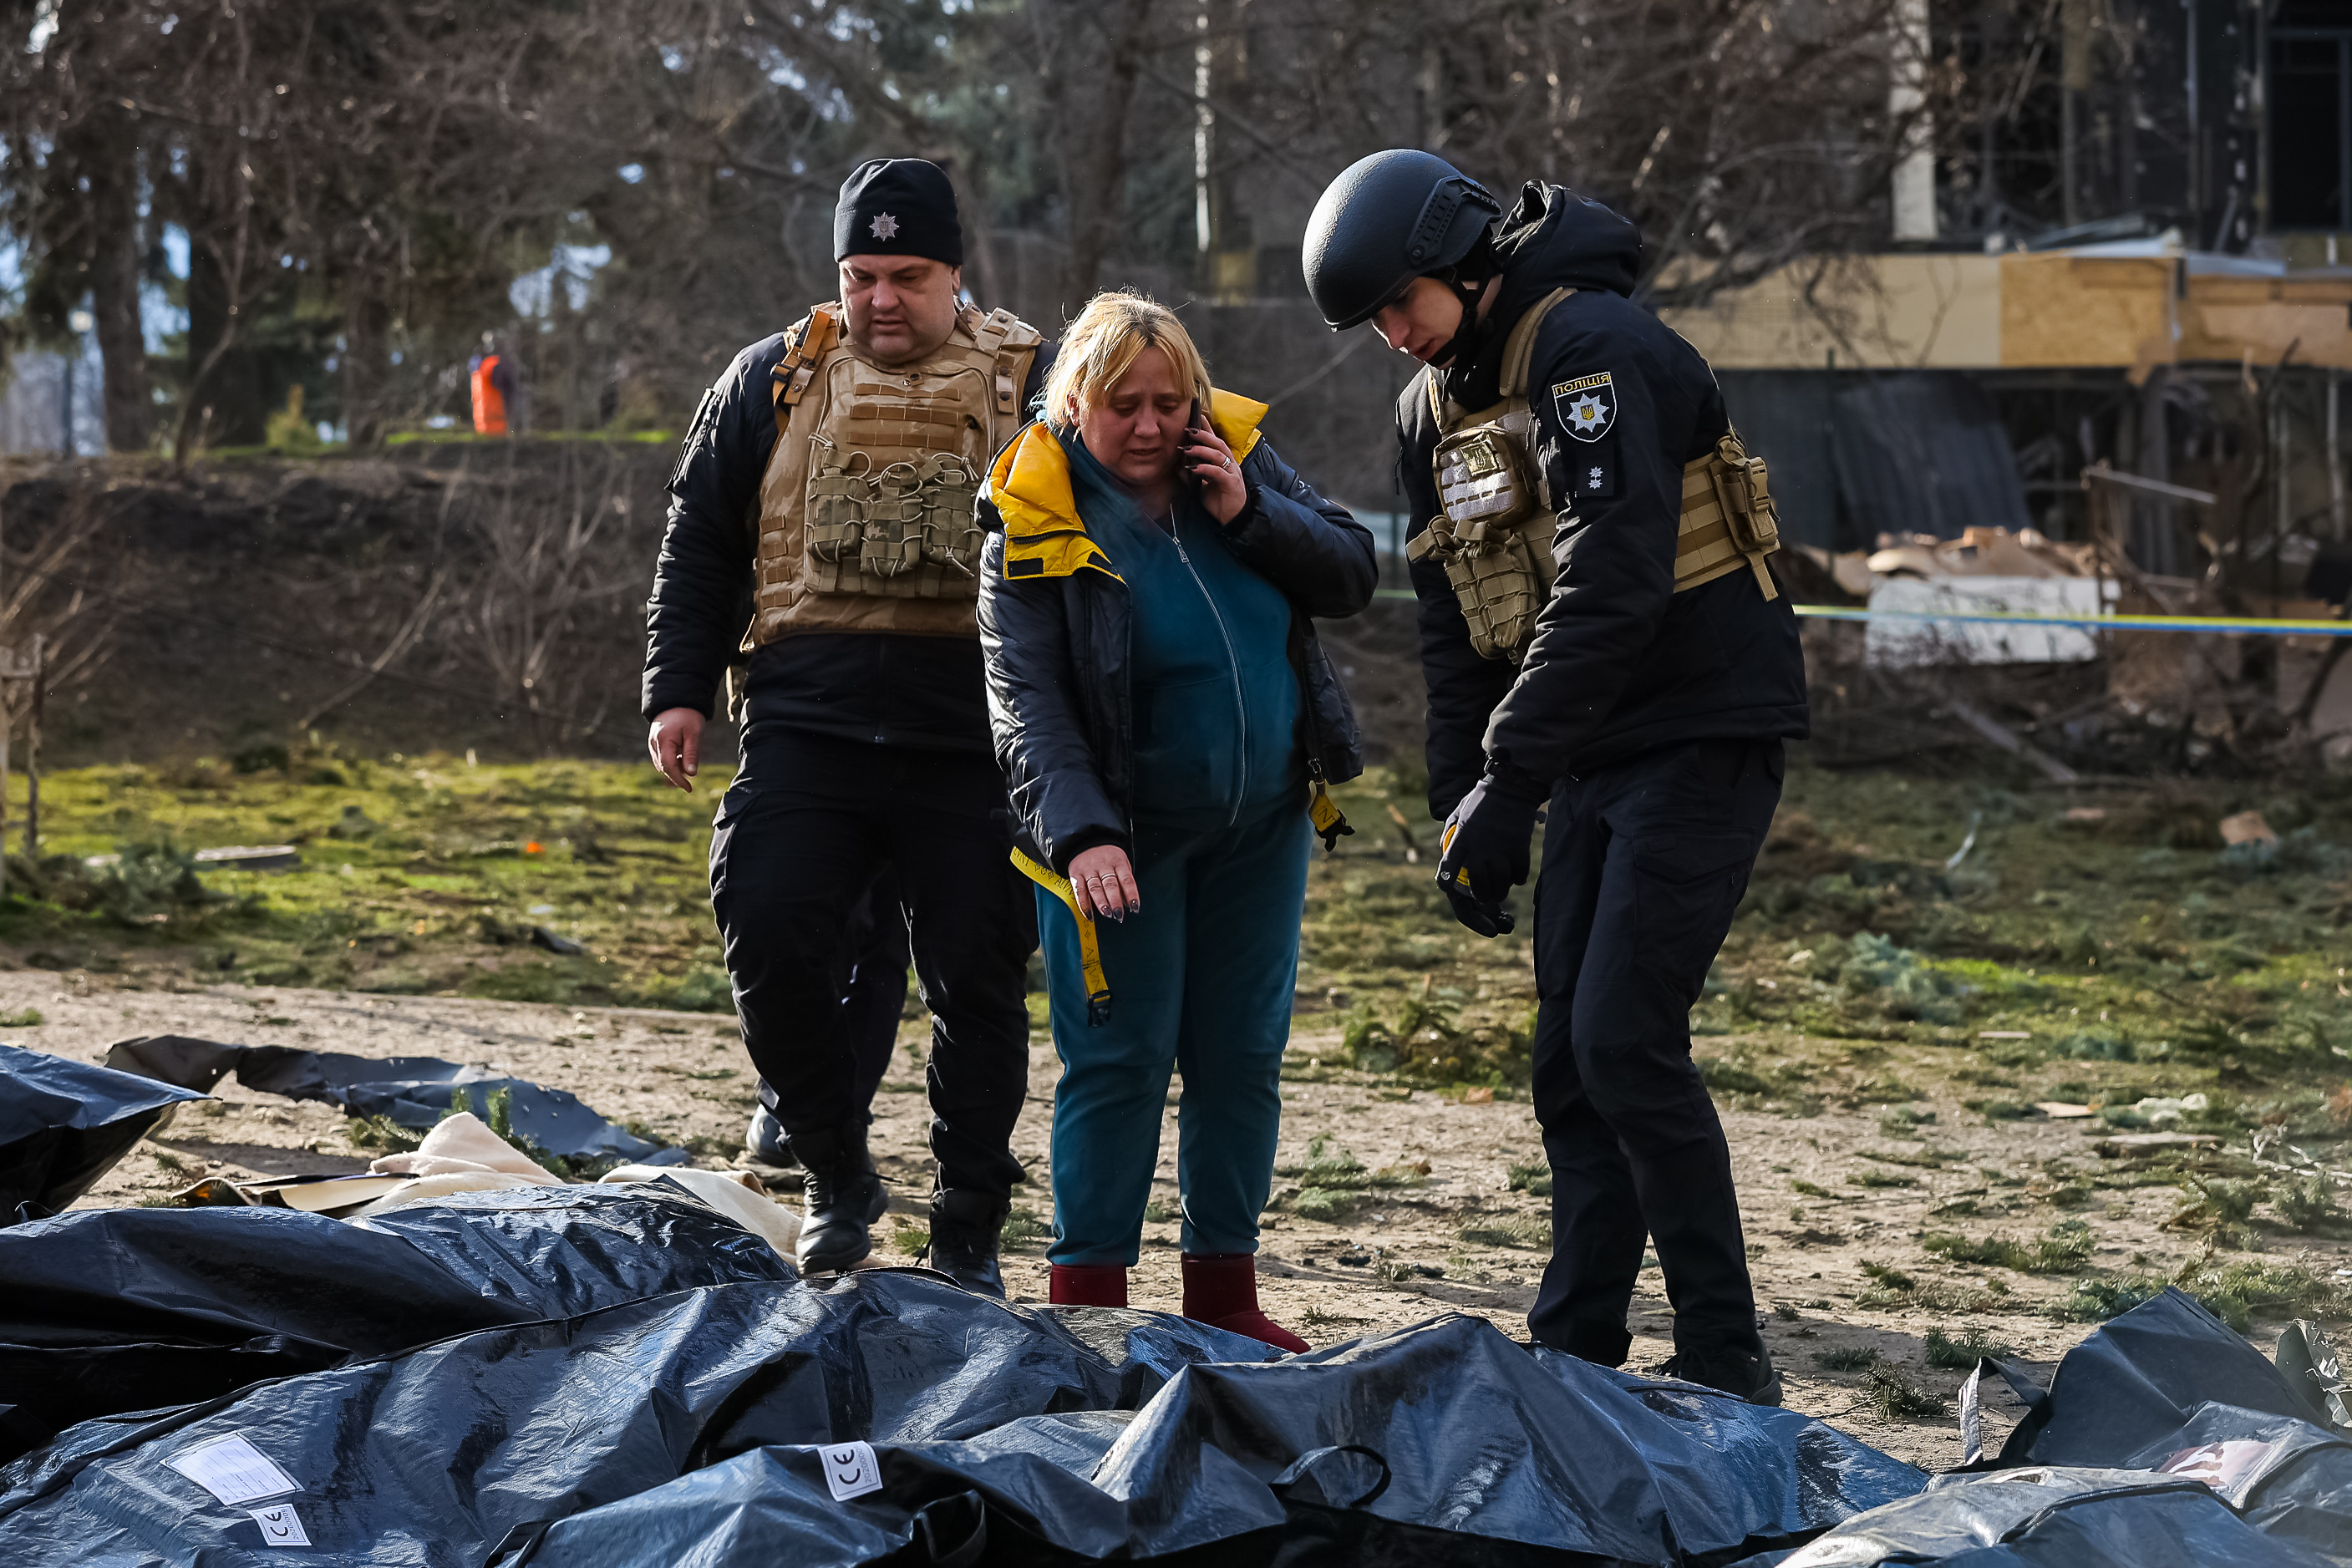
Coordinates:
1728	518
1494	534
1495	576
1482	479
952	533
921	536
837	498
1741	480
893	551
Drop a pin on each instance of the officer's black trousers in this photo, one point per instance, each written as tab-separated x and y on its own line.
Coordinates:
802	832
1643	863
870	973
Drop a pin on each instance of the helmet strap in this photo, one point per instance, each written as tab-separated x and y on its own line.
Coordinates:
1468	281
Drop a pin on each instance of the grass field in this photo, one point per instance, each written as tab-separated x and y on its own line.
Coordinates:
416	875
2090	947
2086	942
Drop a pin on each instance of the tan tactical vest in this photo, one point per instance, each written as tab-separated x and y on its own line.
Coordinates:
866	516
1494	529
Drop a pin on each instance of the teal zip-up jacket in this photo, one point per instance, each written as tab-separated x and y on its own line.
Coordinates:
1058	626
1216	702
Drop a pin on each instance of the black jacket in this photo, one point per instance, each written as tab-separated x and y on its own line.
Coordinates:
1620	663
876	686
1057	650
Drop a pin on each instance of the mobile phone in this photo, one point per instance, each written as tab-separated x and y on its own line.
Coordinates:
1193	468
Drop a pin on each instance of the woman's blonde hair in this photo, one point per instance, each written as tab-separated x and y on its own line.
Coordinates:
1116	327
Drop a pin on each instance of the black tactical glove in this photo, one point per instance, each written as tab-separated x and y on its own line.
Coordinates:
1486	920
1482	853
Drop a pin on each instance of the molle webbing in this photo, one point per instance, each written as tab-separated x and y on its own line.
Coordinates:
992	333
887	414
1728	518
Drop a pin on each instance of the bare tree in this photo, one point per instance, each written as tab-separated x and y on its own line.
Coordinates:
68	584
371	176
541	570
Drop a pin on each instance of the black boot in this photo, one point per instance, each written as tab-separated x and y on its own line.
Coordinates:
844	1196
1733	1369
767	1153
965	1227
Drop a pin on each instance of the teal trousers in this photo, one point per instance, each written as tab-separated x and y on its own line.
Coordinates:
1201	981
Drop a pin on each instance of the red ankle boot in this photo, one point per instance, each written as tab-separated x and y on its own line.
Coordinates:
1221	1290
1087	1285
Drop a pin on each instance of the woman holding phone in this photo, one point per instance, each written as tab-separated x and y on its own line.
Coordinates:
1166	724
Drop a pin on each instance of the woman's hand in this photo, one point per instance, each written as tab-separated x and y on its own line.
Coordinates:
1104	884
1210	463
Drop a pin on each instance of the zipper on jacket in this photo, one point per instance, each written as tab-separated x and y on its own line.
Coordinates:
1233	663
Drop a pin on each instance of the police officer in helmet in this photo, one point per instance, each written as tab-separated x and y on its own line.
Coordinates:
1602	634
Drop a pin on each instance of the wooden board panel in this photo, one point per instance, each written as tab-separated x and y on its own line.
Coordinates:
2261	318
2054	309
2058	309
1877	312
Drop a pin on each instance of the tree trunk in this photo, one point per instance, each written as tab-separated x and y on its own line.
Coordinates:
109	158
227	400
1095	193
362	364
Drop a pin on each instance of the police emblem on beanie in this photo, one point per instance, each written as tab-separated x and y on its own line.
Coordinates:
899	206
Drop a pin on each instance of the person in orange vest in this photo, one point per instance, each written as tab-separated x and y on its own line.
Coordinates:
491	375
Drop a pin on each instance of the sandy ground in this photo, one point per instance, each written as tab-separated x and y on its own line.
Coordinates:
1400	1259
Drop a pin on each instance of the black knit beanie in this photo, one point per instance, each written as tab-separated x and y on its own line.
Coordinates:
899	206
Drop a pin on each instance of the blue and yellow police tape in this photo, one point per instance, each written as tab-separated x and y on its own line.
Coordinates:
2209	624
2257	626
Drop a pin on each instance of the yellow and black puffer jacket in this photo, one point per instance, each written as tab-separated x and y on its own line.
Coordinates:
1055	619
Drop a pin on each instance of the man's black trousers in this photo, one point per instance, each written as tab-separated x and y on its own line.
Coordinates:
1643	864
870	973
803	830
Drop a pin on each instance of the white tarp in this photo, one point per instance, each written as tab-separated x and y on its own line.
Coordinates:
1896	640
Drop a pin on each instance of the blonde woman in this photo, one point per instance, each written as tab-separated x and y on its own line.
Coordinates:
1167	723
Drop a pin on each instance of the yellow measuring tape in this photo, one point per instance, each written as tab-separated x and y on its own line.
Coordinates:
1089	950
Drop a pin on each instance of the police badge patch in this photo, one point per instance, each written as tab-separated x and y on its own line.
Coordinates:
1587	406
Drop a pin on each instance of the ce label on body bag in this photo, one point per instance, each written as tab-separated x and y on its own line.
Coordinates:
279	1525
850	1470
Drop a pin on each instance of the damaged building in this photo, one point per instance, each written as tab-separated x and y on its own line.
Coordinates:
2130	261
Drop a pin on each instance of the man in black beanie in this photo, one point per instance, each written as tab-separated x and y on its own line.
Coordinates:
832	472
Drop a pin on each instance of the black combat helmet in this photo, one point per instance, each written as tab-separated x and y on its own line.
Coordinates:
1389	219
